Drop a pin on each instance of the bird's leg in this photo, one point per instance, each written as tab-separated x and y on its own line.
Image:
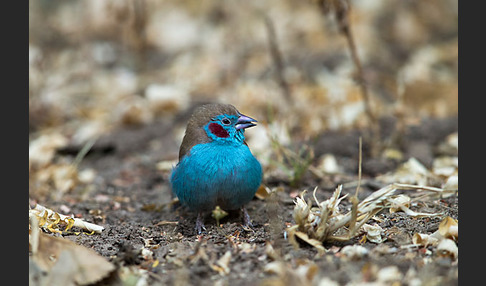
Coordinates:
246	218
199	223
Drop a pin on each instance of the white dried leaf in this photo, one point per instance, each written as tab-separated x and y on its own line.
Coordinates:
326	281
398	201
393	154
451	145
166	165
132	275
63	176
222	265
389	274
412	278
167	98
88	131
373	233
425	240
49	215
42	149
246	247
301	210
174	30
275	267
452	183
445	166
447	248
313	242
410	172
412	213
354	251
146	253
449	228
453	140
331	205
133	110
306	271
328	164
87	176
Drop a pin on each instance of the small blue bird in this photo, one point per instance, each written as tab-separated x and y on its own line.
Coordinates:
216	167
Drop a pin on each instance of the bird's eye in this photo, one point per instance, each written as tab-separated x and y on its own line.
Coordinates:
226	121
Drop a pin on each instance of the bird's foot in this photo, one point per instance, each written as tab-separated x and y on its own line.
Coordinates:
199	223
247	225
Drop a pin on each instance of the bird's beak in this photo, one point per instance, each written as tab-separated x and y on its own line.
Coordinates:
245	122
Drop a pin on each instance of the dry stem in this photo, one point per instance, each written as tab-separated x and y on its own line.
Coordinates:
341	9
277	58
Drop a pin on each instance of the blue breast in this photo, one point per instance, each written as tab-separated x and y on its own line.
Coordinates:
216	174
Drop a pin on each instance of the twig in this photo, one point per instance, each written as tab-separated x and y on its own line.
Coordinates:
341	10
165	222
355	200
82	153
360	162
277	58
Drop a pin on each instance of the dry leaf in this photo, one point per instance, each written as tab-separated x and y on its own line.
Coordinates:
326	222
50	219
76	264
424	239
65	177
263	192
167	98
167	165
392	154
303	274
222	265
398	201
354	252
389	274
451	184
87	176
275	267
449	228
329	165
447	248
445	166
412	213
307	269
43	149
246	247
373	233
326	281
410	172
313	242
133	110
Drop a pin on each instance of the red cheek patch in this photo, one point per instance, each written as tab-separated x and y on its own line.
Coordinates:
218	130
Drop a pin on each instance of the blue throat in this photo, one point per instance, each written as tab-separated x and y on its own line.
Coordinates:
223	172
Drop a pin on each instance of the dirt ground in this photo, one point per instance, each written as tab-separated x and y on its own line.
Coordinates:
126	75
132	200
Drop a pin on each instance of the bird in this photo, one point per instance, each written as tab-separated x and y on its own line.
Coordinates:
216	166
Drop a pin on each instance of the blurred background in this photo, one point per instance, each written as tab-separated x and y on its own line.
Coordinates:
99	66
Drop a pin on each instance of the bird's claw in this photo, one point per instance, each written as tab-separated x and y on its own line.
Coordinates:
200	224
247	225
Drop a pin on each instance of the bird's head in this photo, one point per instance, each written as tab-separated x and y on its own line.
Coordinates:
221	123
228	127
